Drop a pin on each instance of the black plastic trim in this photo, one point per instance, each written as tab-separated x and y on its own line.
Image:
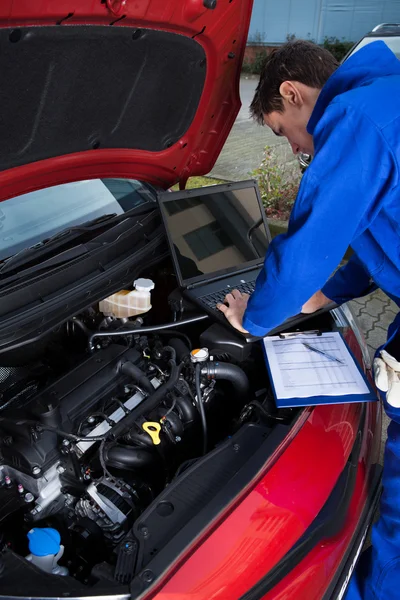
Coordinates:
345	569
194	489
50	299
389	32
164	558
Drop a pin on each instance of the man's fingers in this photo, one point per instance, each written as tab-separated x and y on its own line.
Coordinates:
239	295
236	294
222	307
233	308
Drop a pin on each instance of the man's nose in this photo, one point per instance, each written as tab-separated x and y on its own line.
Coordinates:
295	148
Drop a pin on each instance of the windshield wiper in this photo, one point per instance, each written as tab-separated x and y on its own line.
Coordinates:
60	259
37	251
83	233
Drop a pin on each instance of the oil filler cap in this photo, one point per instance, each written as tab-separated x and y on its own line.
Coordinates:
199	355
153	429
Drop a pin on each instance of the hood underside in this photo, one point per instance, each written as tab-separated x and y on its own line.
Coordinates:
82	88
152	84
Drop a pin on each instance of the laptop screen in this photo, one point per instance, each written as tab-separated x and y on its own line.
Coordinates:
215	230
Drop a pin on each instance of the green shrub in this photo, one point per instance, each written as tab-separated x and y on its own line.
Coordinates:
198	182
259	61
339	48
255	65
278	191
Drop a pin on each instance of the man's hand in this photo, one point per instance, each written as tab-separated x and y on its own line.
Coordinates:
233	309
317	301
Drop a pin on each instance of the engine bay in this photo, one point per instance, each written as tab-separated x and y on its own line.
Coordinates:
95	429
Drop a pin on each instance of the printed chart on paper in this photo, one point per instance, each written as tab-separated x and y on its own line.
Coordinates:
298	372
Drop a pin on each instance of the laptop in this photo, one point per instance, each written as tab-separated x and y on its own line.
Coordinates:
218	237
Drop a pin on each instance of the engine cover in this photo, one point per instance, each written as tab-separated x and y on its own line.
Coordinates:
31	449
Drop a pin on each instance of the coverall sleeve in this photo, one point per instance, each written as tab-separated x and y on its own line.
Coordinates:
340	195
349	282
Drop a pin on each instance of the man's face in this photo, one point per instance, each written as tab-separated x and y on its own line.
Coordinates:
298	103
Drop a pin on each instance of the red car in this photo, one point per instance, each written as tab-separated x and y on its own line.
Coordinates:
111	484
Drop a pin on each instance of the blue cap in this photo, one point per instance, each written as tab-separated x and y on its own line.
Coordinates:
44	541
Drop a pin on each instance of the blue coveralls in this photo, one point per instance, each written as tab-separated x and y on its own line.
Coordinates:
349	196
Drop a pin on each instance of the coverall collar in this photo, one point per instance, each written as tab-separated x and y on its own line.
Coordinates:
368	63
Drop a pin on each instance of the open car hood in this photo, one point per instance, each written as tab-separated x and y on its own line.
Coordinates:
137	88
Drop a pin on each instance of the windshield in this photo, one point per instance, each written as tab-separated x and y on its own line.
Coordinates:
393	42
31	218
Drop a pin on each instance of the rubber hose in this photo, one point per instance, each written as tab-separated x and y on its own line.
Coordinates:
128	457
138	376
228	372
141	330
171	351
188	412
201	407
180	347
177	334
82	326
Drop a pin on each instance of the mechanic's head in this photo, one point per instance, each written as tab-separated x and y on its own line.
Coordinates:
290	82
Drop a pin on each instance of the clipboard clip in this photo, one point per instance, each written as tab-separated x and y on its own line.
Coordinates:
290	334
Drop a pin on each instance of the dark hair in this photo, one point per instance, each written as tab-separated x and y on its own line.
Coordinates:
300	61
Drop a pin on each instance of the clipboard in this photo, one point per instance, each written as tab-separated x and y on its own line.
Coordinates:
319	398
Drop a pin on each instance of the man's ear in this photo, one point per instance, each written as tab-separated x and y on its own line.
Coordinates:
289	92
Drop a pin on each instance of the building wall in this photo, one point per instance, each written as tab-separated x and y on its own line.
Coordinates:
273	21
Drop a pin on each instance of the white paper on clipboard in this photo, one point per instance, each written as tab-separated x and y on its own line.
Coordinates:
298	372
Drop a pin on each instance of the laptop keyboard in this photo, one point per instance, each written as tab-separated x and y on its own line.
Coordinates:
213	299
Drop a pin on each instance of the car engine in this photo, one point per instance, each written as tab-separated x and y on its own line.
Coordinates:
92	432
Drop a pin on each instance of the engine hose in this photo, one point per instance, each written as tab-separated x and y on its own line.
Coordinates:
138	376
261	409
128	457
150	404
141	330
228	372
171	351
200	405
182	350
81	326
187	410
177	334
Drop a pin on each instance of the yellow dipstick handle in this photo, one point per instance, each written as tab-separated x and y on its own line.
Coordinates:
153	429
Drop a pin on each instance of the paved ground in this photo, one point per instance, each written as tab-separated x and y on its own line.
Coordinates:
243	152
374	313
244	147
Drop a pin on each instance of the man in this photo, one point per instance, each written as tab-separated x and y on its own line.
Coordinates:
348	118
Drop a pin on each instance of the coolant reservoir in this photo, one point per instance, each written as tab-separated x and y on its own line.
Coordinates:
126	303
